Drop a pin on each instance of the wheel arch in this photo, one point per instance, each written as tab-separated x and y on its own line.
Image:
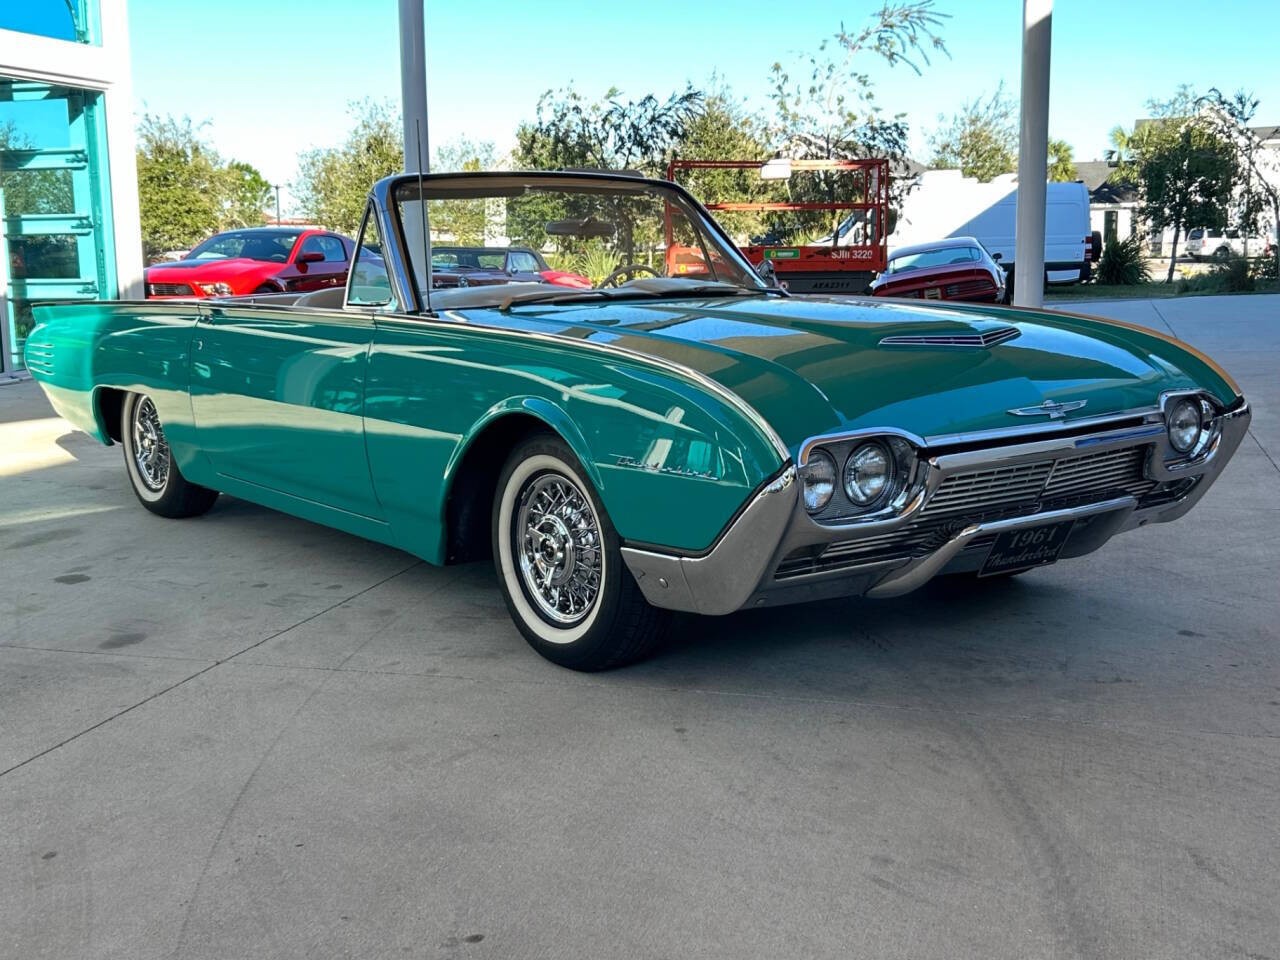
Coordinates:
471	476
108	406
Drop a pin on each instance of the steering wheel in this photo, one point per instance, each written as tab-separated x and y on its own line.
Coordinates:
628	271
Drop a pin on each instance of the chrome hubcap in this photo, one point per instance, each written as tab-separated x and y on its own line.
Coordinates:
150	449
558	544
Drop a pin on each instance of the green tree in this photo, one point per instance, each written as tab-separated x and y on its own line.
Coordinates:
180	184
1259	171
981	140
1186	174
828	110
723	129
571	132
1062	166
246	195
333	182
465	221
186	191
30	191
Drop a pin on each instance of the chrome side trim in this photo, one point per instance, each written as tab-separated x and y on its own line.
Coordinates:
724	579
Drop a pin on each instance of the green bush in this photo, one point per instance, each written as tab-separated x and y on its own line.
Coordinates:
1264	269
1227	276
1123	262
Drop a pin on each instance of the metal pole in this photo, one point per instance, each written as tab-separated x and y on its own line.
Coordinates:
1033	154
277	186
413	83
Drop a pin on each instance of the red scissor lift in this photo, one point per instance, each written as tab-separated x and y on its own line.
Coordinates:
835	266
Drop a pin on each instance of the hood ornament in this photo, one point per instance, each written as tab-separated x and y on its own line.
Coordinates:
1050	408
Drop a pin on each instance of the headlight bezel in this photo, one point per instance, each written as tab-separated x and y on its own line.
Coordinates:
1209	416
907	482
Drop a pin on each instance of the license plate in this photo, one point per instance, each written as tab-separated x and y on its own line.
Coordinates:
933	293
1023	549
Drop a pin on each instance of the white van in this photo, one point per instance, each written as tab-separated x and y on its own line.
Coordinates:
947	204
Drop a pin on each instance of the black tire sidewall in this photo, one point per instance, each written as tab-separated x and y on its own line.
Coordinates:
179	498
594	644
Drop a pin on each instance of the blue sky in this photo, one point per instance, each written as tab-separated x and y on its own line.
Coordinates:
274	78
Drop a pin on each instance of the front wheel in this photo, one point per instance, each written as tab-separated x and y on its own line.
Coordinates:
560	566
157	482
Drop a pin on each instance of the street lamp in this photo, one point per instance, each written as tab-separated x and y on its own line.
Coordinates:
276	187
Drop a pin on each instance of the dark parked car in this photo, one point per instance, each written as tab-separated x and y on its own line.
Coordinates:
482	266
958	268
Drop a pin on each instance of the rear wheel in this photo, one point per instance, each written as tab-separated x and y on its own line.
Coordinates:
157	481
560	565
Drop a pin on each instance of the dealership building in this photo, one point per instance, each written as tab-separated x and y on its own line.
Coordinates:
68	181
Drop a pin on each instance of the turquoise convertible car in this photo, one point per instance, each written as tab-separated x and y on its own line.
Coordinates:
672	438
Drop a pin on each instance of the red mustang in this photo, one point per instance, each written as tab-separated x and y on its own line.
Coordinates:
958	268
257	260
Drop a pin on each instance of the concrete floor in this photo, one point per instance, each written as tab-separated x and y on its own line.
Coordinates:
245	736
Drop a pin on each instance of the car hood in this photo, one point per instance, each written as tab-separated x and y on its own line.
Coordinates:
814	366
207	270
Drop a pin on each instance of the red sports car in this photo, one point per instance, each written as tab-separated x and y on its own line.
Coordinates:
256	260
957	268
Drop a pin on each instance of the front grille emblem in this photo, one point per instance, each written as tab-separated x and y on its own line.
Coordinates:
1050	408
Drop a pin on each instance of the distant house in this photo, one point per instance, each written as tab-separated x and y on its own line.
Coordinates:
1113	204
1264	140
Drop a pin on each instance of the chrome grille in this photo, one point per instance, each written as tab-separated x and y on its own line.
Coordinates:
963	499
169	289
985	490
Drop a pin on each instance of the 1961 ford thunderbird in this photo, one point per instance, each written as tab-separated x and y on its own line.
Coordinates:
653	443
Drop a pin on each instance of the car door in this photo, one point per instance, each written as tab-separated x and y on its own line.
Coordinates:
522	266
277	394
319	262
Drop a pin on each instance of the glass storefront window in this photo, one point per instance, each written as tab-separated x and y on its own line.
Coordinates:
74	20
56	241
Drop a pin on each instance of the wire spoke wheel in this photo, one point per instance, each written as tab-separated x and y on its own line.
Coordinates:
150	448
557	539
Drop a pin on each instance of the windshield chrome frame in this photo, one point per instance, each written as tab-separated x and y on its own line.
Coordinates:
384	193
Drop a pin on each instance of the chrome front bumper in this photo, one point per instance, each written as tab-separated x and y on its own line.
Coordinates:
741	568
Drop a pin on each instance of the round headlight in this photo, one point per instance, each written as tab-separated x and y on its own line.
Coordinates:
819	478
1184	425
868	473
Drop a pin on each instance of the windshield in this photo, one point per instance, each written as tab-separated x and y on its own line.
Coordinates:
613	235
933	258
272	246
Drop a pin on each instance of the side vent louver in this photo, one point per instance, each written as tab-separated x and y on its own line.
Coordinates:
988	339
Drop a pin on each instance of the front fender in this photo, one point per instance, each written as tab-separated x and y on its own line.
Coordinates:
540	408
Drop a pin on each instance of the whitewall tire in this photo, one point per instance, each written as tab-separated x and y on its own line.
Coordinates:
560	567
155	478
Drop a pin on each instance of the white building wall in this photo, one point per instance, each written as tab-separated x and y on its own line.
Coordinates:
104	68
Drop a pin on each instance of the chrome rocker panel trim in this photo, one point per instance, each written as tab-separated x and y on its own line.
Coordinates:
739	571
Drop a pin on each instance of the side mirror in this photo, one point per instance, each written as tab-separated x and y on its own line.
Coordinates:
996	257
768	273
310	256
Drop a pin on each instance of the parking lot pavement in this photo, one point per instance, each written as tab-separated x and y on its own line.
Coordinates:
248	736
